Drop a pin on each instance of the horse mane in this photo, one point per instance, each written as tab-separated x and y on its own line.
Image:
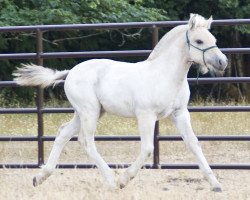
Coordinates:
165	41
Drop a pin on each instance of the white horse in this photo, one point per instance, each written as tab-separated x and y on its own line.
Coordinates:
149	90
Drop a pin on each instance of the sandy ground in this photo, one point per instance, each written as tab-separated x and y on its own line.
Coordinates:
78	184
87	184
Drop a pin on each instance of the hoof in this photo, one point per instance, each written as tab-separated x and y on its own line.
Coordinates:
123	181
216	189
37	180
122	186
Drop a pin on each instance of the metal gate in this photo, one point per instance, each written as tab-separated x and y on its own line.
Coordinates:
40	55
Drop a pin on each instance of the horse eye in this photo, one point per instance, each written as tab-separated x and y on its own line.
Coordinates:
199	41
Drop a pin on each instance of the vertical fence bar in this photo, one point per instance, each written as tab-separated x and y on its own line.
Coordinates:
156	156
39	99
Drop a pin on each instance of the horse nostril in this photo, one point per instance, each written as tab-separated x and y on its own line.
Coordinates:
222	62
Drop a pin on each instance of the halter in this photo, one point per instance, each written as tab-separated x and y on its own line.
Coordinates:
203	50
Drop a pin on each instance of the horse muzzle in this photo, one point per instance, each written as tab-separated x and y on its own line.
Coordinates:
219	62
222	63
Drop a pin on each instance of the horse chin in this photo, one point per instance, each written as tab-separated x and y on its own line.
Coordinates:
203	69
211	70
214	72
217	73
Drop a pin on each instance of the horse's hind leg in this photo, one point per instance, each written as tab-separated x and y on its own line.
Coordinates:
65	133
87	141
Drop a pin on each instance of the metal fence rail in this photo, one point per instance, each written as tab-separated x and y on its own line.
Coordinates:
40	110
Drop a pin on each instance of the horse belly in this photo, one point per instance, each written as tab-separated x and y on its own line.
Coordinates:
164	113
119	110
118	104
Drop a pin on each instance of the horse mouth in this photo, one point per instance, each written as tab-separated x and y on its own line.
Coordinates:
217	63
208	69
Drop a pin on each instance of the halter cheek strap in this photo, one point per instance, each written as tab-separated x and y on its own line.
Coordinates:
203	50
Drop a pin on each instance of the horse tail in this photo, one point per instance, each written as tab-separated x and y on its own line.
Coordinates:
34	75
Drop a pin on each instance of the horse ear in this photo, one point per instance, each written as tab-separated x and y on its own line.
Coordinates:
209	22
192	21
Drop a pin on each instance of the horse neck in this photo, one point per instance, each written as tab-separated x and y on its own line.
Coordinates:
171	53
167	40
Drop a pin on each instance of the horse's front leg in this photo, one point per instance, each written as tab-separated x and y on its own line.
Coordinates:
181	119
146	124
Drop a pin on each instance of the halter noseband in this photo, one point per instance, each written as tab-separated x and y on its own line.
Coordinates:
203	50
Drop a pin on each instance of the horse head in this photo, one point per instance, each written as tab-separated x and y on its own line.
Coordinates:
202	45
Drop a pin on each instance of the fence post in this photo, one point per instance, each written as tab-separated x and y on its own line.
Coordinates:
39	99
156	156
